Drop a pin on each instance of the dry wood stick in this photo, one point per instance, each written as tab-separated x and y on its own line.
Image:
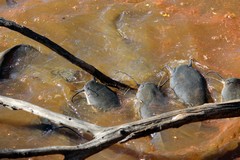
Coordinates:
107	136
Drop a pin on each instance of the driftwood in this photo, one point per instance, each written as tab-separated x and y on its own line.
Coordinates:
62	52
103	137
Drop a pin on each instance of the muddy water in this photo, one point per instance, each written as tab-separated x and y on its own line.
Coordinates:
134	36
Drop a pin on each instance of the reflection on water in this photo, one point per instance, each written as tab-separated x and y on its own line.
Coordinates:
134	36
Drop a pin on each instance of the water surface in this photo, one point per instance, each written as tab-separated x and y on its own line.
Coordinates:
134	36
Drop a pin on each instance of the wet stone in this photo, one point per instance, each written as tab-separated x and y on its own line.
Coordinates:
68	75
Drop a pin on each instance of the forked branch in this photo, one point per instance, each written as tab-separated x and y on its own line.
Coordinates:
107	136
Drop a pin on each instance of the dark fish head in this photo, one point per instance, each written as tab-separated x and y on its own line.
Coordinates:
189	85
92	87
100	96
152	101
231	89
147	92
232	81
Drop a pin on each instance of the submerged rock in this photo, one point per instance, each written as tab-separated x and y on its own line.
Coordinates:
11	3
68	75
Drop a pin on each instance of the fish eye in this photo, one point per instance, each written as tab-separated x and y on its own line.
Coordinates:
141	86
228	82
141	101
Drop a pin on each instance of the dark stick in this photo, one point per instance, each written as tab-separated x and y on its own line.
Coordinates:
62	52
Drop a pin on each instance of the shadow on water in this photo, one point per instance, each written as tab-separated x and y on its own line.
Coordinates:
49	130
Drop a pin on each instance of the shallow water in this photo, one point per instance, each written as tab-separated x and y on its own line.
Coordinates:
134	36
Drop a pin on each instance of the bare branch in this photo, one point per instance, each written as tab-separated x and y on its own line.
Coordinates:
62	52
107	136
57	118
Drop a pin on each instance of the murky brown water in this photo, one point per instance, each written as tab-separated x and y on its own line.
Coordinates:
137	37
